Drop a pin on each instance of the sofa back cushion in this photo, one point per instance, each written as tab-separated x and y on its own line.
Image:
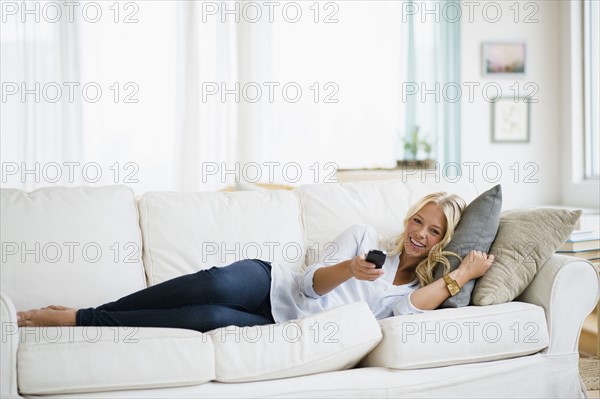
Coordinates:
59	245
329	209
187	232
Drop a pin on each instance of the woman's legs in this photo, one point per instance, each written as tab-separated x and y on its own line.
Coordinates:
237	294
243	285
194	317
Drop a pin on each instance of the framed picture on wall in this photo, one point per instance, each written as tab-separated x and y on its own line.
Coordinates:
504	58
510	120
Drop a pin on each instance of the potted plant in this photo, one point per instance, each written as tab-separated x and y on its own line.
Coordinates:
412	145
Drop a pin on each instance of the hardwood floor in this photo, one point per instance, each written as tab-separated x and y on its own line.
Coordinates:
589	343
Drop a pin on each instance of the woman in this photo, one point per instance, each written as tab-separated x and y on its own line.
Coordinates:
254	292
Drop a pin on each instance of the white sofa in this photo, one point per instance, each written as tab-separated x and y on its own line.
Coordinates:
81	247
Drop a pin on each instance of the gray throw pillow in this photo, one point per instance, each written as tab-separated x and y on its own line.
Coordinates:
526	239
476	230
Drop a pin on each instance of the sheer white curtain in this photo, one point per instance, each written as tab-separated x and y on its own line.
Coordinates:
129	131
135	116
431	70
204	95
39	128
359	57
206	127
167	134
336	80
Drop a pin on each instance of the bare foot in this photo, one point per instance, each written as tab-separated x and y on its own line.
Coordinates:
57	307
46	317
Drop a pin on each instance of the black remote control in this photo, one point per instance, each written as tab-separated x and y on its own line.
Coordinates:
376	257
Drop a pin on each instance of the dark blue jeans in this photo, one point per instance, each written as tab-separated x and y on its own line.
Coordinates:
238	294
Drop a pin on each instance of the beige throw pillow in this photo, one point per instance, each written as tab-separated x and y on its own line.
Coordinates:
526	239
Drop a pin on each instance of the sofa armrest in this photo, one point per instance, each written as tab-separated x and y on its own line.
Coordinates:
567	288
9	346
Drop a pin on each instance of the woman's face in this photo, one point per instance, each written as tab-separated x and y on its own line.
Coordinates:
425	229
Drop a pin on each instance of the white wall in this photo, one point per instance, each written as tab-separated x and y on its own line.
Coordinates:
542	69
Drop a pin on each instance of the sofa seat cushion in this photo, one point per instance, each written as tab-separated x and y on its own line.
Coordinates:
60	360
464	335
335	339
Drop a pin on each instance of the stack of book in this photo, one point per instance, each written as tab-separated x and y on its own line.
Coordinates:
583	244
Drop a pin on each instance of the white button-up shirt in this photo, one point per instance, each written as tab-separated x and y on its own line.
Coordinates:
293	295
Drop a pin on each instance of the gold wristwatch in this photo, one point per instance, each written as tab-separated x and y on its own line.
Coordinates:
451	284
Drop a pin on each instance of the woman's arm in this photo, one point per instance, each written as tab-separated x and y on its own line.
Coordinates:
431	296
327	278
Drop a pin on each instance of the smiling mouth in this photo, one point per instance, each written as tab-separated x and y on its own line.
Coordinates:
416	244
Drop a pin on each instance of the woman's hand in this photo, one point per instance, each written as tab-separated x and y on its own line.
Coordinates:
327	278
363	270
475	264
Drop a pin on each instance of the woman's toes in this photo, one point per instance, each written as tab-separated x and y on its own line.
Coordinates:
22	318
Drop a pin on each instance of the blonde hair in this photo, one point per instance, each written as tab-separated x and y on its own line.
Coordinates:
452	206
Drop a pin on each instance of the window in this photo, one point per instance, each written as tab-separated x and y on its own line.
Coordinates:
193	95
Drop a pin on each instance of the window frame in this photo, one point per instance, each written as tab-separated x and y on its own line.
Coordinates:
591	75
